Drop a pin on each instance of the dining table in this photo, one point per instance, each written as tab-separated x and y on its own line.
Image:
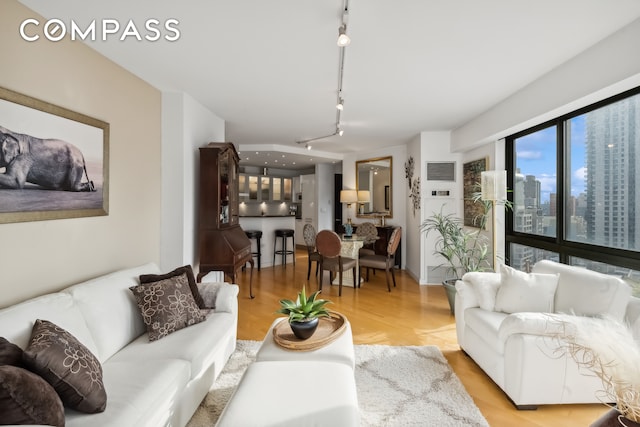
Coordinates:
349	248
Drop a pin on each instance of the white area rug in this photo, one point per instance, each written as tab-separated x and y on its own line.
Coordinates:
397	386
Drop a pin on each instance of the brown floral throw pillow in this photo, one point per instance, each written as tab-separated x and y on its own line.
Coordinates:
26	398
167	306
185	269
65	363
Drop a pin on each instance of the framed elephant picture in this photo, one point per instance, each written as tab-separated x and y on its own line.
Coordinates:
53	161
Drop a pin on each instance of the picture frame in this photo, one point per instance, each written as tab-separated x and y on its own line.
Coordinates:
471	173
54	162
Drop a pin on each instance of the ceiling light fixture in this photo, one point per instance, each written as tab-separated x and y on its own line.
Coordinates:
343	41
343	38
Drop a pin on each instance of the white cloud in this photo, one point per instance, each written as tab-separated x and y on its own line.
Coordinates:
580	173
529	154
548	183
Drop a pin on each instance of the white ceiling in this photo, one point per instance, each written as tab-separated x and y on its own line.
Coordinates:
270	68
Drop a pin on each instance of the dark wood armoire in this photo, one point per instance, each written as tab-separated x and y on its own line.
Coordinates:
223	245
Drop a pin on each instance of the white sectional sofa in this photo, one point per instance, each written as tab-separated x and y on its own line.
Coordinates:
502	324
159	383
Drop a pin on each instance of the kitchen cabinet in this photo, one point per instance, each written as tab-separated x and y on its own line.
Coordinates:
263	188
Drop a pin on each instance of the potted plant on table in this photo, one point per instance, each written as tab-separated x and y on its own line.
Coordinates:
463	249
304	313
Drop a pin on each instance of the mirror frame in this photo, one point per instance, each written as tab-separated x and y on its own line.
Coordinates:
390	196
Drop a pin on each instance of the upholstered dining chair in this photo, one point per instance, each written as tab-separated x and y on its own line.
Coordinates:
369	231
329	244
309	234
383	262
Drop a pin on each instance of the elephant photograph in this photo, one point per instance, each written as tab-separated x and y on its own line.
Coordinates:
52	166
50	163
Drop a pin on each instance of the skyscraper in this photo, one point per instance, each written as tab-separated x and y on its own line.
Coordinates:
613	168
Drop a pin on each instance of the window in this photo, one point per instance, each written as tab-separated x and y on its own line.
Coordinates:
535	182
573	182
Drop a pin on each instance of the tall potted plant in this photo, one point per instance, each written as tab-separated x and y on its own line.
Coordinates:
462	249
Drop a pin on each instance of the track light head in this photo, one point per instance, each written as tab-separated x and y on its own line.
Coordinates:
343	38
340	132
340	104
308	147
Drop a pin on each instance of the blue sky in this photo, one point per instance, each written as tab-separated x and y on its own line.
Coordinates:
536	155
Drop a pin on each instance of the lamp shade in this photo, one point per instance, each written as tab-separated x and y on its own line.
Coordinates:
364	196
348	196
494	185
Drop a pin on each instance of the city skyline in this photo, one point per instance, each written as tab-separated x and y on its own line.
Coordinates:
536	155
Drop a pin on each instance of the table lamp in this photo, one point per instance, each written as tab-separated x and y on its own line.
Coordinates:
348	197
363	197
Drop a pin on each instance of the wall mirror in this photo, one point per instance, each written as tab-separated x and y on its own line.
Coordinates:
375	189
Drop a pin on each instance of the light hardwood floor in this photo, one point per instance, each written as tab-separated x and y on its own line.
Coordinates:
410	315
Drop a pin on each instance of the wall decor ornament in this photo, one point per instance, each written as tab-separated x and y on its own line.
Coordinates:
53	161
414	184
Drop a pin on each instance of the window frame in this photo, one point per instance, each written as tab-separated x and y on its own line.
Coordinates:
559	244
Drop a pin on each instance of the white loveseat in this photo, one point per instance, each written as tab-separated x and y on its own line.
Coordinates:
504	328
159	383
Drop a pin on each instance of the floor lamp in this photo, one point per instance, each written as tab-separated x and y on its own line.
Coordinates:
494	188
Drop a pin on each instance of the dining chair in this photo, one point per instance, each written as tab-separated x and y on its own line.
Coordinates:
383	262
369	231
309	234
329	245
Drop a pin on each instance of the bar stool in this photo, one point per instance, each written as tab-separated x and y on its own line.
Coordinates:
284	233
255	234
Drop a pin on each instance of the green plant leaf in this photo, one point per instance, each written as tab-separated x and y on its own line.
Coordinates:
304	308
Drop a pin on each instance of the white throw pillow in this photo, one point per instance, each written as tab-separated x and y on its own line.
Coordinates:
521	291
485	286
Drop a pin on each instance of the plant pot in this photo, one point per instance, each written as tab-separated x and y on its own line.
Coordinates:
304	330
613	418
450	288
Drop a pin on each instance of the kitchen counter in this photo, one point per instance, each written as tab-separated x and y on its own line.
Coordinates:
268	224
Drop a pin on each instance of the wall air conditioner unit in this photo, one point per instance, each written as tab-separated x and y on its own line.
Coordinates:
441	171
441	177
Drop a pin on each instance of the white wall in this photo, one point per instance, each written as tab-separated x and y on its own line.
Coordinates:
186	126
398	182
435	148
44	256
412	255
607	68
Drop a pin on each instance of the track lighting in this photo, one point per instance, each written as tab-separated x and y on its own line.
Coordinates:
343	41
343	38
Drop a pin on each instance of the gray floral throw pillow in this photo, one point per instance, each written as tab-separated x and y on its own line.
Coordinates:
65	363
167	306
